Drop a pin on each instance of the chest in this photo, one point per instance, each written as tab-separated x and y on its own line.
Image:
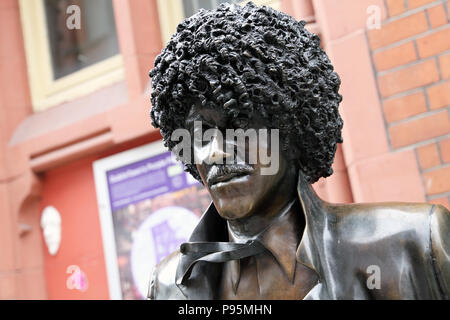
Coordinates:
263	278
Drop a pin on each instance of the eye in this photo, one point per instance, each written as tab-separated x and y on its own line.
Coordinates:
240	123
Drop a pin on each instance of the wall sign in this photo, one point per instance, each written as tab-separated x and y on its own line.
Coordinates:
148	206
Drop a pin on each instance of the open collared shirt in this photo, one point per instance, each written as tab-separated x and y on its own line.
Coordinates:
274	273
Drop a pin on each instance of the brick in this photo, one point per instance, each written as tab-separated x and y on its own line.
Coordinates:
420	129
444	64
437	16
439	95
398	30
418	3
404	107
412	77
444	146
437	181
443	201
394	57
428	156
434	43
395	7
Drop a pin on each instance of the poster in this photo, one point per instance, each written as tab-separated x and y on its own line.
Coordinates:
153	207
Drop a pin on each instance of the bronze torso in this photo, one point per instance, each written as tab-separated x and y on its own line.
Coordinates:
409	244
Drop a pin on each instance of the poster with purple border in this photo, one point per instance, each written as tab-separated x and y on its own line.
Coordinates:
154	205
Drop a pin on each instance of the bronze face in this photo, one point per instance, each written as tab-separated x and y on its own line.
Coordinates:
239	190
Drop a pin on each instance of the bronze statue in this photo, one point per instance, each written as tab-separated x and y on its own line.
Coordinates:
269	236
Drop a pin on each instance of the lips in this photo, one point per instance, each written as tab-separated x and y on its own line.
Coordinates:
225	173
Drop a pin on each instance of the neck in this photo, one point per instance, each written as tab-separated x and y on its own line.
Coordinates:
277	201
242	230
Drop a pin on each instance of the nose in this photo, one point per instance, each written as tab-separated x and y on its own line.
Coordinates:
210	149
216	152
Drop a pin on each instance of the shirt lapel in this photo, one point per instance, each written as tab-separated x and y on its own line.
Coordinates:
311	250
281	239
204	279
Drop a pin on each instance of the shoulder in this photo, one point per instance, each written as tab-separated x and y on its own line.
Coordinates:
410	221
440	220
162	285
440	228
388	210
408	241
440	247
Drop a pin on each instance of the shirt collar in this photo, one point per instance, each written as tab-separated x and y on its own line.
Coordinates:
281	239
316	215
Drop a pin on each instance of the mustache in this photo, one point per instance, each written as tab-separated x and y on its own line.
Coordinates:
222	172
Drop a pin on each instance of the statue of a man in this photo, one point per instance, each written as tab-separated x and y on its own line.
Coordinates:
267	235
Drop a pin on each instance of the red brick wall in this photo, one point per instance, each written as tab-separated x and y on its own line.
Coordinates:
411	58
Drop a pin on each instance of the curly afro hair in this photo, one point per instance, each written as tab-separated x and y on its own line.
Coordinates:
252	59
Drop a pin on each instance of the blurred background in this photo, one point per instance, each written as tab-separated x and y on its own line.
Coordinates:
89	198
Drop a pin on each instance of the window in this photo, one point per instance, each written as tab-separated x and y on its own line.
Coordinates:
96	40
172	12
71	47
192	6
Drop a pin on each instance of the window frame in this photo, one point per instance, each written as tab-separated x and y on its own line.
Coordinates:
46	91
171	14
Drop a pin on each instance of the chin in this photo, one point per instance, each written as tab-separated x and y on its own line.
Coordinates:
237	208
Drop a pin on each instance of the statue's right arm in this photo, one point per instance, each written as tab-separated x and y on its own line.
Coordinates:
440	247
162	283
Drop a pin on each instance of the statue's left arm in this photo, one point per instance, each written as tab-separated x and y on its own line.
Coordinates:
440	246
